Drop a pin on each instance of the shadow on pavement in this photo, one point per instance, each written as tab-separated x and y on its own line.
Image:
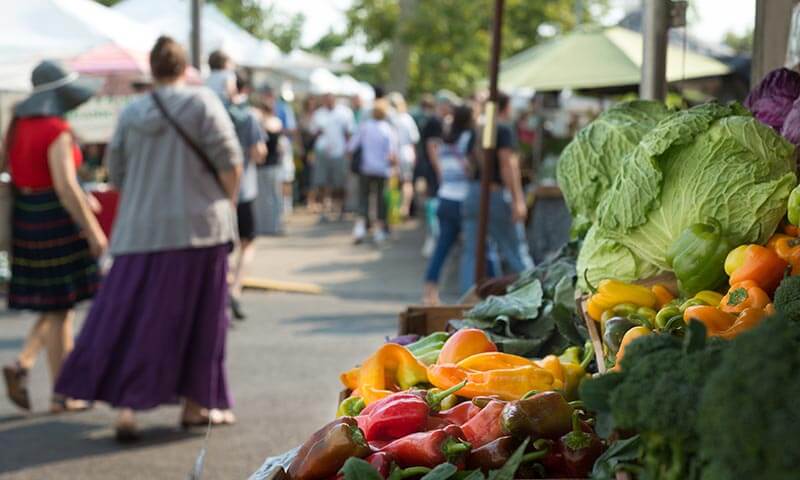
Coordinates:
345	324
50	441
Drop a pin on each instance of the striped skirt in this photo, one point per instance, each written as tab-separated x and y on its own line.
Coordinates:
51	267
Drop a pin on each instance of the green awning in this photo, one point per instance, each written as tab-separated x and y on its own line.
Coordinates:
597	58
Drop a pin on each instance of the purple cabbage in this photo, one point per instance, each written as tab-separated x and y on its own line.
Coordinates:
791	126
771	100
403	339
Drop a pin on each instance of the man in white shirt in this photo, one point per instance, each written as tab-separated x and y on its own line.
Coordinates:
333	124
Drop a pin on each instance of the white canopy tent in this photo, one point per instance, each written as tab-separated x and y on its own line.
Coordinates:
33	30
171	17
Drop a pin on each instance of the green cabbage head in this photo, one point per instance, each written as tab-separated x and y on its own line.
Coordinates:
710	161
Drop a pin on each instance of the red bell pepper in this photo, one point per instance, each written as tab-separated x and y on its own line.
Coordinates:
486	426
460	414
429	449
400	414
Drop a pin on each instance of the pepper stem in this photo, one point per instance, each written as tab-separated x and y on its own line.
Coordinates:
578	404
454	448
543	444
592	288
530	457
414	472
530	394
588	355
434	399
576	421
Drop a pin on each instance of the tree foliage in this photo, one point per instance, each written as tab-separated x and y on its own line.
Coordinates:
450	39
741	43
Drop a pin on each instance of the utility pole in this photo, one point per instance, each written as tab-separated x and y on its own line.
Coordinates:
489	142
657	19
195	41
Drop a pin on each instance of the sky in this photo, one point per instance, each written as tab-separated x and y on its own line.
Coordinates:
713	17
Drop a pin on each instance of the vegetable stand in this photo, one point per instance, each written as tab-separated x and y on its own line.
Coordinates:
678	291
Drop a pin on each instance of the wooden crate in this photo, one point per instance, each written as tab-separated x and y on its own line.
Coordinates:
422	320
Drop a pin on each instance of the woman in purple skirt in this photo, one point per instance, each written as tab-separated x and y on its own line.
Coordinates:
156	331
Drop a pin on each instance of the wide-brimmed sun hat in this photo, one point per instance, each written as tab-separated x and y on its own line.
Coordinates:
56	91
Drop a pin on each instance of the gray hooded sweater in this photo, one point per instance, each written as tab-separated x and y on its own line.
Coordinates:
169	199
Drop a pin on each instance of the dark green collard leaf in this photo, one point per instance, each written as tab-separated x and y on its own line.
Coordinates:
441	472
620	452
469	475
523	303
358	469
507	471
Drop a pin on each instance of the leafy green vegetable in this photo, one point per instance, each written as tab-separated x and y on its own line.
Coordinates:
507	471
358	469
590	163
616	458
522	303
538	314
441	472
711	161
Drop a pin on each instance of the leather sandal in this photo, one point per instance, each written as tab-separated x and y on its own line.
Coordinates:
17	385
62	404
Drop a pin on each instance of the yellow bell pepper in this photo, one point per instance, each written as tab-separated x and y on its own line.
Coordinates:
492	361
350	378
629	337
709	297
610	293
506	383
390	368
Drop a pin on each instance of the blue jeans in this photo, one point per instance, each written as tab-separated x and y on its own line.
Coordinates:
507	236
449	216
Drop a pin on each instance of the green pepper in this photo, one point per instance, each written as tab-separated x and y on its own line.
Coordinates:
697	257
615	329
425	344
794	206
665	314
351	407
625	309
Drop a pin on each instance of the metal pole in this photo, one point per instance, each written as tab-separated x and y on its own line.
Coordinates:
489	142
195	42
654	58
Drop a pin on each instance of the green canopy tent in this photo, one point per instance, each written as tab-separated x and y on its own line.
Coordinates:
597	58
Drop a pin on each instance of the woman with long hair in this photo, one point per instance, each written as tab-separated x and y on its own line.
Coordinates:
454	153
55	236
156	331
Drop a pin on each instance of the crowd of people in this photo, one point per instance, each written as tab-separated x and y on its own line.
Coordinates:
201	173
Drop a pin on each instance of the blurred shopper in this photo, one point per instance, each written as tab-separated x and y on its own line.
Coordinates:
333	124
156	331
269	204
307	138
455	153
407	138
252	140
376	145
436	116
507	208
55	236
222	78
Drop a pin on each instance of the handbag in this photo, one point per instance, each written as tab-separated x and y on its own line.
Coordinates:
189	142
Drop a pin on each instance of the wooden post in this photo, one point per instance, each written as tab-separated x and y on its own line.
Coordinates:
654	59
770	36
489	142
195	43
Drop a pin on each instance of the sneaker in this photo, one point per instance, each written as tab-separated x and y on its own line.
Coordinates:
428	246
379	236
359	231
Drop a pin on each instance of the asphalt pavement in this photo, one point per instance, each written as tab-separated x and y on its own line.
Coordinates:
283	362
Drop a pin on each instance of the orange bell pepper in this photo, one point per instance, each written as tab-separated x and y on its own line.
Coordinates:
756	263
663	295
746	320
465	343
506	383
790	229
492	361
788	249
629	337
744	295
350	378
713	318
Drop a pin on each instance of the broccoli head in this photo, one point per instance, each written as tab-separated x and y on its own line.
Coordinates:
787	298
748	415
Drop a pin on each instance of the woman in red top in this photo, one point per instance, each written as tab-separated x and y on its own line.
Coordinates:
55	236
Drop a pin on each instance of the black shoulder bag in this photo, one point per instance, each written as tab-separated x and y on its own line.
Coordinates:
186	138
